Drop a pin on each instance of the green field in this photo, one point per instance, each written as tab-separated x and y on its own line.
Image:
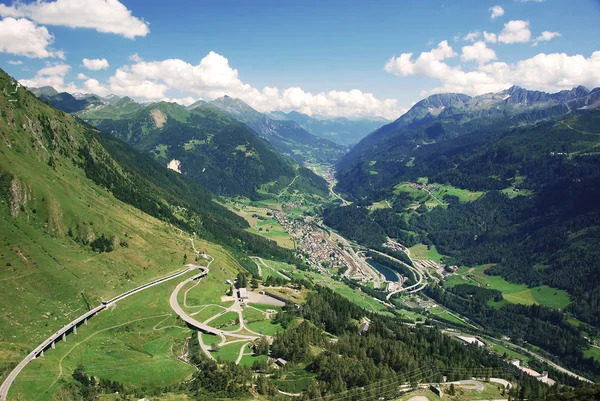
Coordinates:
444	314
45	271
280	266
226	321
422	196
593	352
380	205
358	297
209	340
263	225
228	352
420	252
248	360
136	342
264	327
253	315
410	315
513	293
207	312
265	307
463	195
274	267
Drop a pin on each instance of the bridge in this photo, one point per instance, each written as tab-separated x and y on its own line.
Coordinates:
71	327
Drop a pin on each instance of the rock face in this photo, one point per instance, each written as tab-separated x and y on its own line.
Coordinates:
175	165
159	118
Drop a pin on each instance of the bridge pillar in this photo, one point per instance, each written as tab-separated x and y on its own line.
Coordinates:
85	321
64	337
53	345
42	353
75	330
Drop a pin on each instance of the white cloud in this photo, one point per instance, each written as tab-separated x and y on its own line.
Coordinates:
108	16
53	74
497	11
478	52
515	31
82	76
427	64
135	58
547	72
95	64
23	37
213	77
184	101
472	36
545	36
490	37
13	62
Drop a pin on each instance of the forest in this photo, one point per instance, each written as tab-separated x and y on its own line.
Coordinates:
389	351
541	326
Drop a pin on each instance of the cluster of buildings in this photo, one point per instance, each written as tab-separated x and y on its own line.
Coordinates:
395	246
424	187
314	242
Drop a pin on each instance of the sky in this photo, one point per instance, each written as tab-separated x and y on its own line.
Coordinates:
333	58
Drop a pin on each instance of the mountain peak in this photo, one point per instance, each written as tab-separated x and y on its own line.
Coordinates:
232	105
124	101
44	91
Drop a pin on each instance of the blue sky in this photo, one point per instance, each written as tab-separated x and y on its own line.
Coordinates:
336	55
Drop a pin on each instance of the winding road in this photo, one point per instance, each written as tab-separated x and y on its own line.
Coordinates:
205	328
255	258
418	276
72	328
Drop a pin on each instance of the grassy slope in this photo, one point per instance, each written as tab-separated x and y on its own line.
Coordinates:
514	293
259	226
137	342
49	211
44	270
420	252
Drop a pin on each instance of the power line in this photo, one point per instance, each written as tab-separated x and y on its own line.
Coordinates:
393	381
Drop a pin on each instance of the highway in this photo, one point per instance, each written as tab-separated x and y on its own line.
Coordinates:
72	327
193	322
418	276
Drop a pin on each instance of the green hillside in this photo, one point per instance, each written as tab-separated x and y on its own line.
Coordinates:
441	128
523	199
84	217
287	136
206	145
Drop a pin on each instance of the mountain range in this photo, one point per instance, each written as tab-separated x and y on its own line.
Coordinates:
109	192
288	137
447	124
201	142
284	134
341	130
508	182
